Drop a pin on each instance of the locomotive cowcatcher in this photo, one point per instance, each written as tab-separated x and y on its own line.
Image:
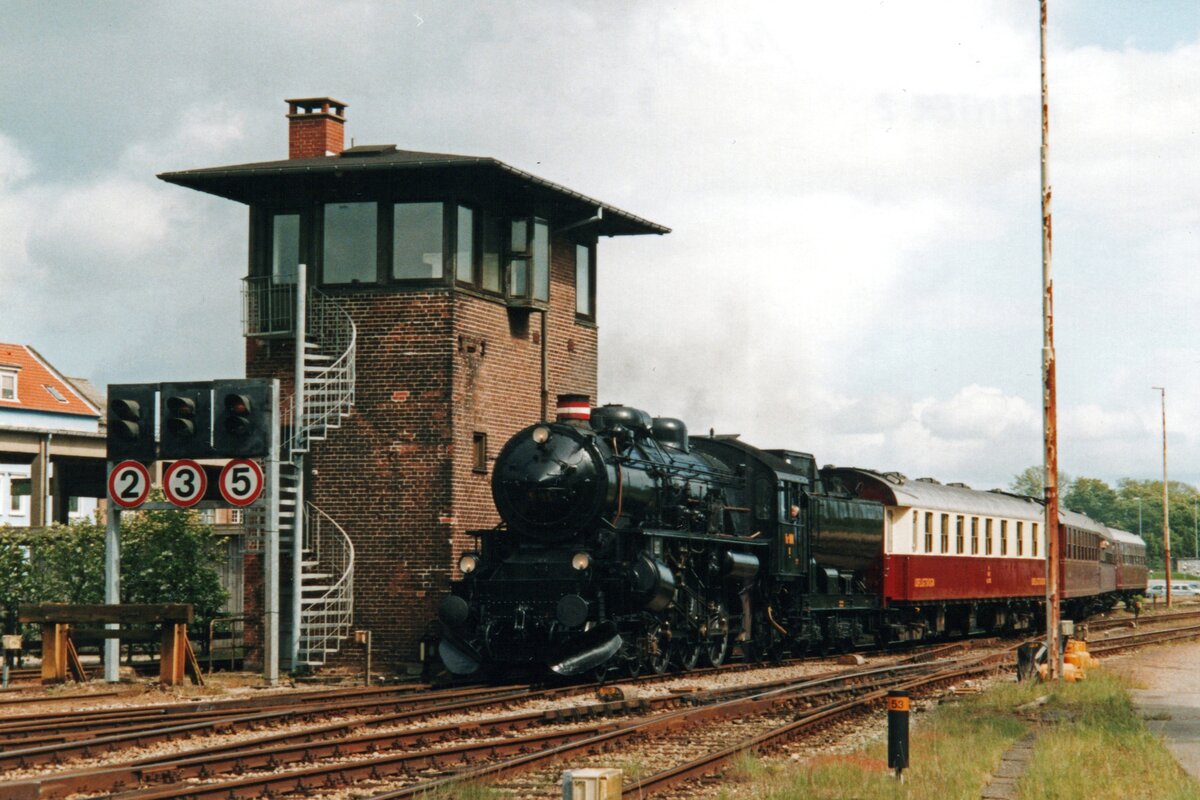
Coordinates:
626	544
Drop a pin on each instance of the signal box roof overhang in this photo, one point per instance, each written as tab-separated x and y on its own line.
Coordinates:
375	171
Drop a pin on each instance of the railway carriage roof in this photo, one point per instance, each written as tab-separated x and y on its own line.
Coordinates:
385	166
1125	537
899	490
1083	522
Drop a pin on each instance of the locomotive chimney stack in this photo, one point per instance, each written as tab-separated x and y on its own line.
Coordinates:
316	127
574	409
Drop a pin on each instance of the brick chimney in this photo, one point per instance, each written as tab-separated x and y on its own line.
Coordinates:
316	127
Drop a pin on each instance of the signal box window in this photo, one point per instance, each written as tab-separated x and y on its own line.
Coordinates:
350	254
529	262
464	245
8	385
585	285
479	452
417	241
285	248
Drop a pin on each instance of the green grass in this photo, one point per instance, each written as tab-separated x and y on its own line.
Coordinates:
1124	759
1100	750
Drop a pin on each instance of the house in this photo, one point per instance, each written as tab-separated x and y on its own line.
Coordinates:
52	448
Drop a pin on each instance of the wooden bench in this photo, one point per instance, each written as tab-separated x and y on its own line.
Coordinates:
60	660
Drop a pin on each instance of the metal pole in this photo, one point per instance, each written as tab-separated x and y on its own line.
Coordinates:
112	584
1195	529
1049	399
271	560
298	463
1166	528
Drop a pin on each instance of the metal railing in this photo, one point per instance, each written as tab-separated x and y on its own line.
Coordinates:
326	618
268	308
328	388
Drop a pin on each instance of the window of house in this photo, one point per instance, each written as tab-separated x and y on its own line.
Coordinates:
1020	538
1034	550
285	247
54	392
958	535
417	240
945	533
1003	537
350	235
8	385
17	488
464	245
928	532
529	260
987	537
492	259
585	282
479	452
974	536
73	505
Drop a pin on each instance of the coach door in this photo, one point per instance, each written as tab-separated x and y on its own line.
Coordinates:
791	553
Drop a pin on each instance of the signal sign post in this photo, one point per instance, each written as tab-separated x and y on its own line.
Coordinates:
235	419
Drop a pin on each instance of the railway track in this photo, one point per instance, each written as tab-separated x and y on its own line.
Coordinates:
405	741
381	733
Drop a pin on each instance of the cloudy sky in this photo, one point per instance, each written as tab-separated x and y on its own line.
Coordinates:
855	262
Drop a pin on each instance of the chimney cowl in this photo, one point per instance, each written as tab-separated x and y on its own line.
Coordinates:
316	127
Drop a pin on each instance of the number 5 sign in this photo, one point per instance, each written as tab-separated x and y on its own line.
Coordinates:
241	481
129	484
184	483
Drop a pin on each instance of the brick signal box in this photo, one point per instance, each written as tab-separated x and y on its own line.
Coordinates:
453	299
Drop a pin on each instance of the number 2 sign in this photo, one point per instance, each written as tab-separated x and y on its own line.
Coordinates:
241	482
129	484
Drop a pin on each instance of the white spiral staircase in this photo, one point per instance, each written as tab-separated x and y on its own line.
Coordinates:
325	579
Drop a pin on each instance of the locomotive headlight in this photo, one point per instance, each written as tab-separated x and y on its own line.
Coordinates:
468	563
581	561
541	434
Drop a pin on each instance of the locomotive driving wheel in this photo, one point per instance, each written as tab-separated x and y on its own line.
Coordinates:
656	655
716	641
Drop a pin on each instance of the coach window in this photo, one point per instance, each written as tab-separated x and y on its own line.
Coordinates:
974	536
1003	537
928	532
945	533
418	240
350	253
585	281
1020	538
987	536
916	532
958	535
1033	551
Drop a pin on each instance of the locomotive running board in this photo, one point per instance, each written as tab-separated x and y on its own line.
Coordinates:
600	644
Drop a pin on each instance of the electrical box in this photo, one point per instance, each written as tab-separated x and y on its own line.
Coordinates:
11	641
592	784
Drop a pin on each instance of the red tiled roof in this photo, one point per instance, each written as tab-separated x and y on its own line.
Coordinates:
34	375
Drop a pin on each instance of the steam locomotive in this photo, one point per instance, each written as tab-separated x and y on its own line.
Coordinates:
627	544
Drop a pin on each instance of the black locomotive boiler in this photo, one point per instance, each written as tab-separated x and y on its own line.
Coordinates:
626	544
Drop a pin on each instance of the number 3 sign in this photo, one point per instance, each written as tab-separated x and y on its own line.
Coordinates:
241	481
184	483
129	484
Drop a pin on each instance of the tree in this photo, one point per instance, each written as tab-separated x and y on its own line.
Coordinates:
14	576
1095	498
1030	482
